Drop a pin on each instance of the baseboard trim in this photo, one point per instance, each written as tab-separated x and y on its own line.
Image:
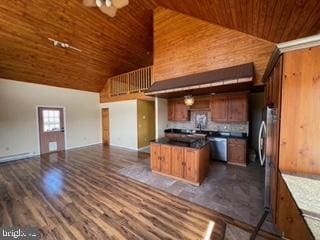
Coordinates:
17	157
143	148
121	146
86	145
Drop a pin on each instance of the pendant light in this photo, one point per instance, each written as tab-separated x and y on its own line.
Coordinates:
189	100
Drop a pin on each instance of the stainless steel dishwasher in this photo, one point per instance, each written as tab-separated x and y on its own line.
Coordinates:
218	148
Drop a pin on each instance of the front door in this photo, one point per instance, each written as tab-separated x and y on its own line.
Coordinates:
105	126
51	129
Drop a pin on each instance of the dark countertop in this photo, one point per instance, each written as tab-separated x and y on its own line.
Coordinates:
208	133
306	191
182	142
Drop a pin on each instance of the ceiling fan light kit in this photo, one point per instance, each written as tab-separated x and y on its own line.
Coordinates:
108	7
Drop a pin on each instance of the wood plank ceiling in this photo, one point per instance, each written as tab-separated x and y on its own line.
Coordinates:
272	20
124	43
109	45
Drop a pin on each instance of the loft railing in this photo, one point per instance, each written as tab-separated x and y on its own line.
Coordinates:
132	82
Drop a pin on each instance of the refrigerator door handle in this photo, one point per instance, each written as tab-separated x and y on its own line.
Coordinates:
262	155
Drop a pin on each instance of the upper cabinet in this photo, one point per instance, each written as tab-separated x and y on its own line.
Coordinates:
178	111
229	108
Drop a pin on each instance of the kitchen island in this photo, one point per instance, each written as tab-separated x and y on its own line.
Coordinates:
182	159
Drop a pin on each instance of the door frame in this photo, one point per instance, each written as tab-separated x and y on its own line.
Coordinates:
102	129
38	125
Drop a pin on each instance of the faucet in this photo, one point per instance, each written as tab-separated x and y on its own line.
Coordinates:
199	126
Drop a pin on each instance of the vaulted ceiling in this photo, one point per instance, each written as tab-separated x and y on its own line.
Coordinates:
115	45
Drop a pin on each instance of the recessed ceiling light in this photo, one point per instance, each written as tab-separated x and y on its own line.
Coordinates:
213	93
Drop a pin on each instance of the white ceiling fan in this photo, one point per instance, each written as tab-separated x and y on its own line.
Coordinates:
108	7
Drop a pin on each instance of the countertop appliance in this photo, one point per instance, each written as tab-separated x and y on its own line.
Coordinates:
218	148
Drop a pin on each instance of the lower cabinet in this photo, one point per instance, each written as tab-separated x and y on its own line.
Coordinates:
178	164
289	219
187	164
237	151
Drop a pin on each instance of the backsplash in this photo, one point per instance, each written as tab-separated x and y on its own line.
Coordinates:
211	126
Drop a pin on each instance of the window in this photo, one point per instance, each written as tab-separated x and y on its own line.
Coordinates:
51	120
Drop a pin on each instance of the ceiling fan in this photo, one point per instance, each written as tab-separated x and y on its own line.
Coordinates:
108	7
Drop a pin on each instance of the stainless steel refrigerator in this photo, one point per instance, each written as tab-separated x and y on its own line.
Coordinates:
268	154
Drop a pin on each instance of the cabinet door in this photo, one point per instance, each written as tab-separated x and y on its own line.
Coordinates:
171	111
177	156
219	109
289	219
181	112
191	171
166	159
237	151
155	156
238	108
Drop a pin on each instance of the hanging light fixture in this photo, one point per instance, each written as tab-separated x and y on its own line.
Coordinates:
189	100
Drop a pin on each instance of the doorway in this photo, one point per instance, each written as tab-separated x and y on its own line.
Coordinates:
105	126
51	129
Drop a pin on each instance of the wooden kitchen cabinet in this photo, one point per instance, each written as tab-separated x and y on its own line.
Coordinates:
191	163
177	155
229	108
165	159
155	157
238	108
171	111
187	164
237	151
178	111
289	219
219	109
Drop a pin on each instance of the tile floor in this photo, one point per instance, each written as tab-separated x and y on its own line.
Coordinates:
231	190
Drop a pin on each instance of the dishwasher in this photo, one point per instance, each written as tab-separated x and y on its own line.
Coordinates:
218	148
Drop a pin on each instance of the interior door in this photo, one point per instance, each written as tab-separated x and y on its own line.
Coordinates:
51	129
105	126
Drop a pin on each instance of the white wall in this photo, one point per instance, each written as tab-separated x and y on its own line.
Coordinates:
123	123
18	122
161	116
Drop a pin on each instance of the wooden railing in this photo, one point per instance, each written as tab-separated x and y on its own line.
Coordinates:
132	82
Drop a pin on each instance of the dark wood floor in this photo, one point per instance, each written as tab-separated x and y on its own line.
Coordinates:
78	194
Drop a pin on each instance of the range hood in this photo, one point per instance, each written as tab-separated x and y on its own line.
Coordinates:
236	78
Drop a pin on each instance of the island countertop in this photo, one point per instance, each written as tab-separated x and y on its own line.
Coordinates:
182	142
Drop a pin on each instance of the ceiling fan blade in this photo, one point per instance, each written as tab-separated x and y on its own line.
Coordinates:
89	3
110	11
120	3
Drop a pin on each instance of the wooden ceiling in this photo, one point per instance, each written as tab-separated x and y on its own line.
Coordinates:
272	20
111	46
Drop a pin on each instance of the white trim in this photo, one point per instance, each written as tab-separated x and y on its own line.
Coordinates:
17	157
85	145
289	46
300	43
144	148
121	146
64	123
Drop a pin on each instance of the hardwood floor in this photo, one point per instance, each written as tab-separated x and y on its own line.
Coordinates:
78	194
